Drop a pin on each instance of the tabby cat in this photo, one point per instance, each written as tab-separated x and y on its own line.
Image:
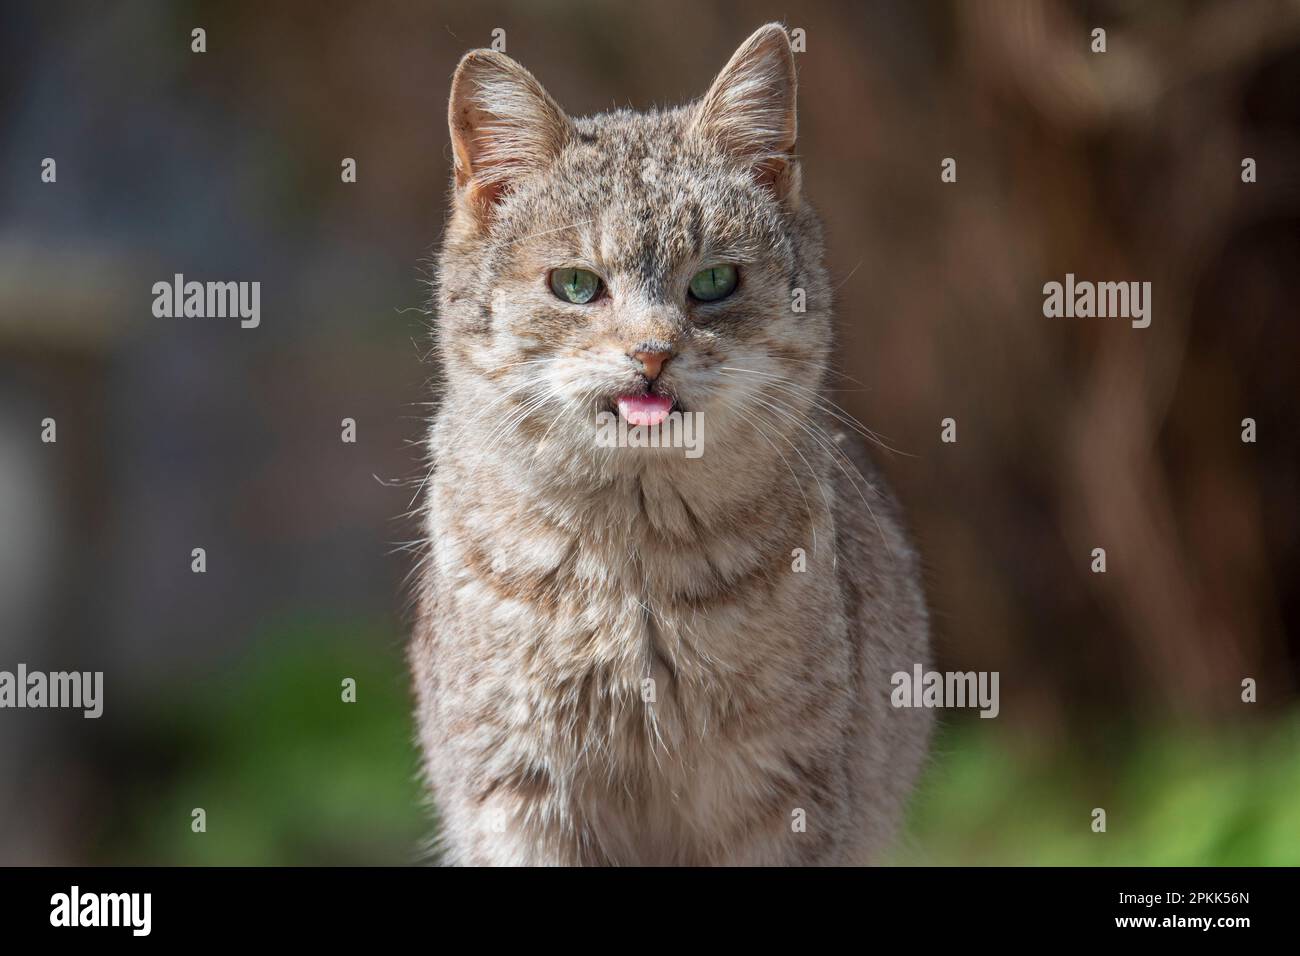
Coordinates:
627	655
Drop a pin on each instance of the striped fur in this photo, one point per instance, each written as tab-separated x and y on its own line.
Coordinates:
559	577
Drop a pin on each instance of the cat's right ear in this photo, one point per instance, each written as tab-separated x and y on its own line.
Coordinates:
503	125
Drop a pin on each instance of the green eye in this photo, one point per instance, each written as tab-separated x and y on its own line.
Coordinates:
714	283
575	285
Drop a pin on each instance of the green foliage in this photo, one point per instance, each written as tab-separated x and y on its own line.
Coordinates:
287	772
1172	798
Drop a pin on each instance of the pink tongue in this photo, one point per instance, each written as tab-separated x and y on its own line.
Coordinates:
644	409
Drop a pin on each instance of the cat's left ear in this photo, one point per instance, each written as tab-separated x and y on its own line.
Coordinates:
749	111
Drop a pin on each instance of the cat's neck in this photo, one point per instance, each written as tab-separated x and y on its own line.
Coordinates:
514	486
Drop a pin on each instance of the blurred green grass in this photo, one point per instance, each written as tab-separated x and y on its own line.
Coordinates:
1172	796
287	772
290	774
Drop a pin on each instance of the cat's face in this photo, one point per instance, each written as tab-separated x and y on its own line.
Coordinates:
634	264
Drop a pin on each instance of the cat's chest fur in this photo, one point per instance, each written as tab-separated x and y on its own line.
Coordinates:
634	587
637	656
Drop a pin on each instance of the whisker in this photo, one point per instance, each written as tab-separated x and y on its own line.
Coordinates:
836	455
547	232
831	408
753	420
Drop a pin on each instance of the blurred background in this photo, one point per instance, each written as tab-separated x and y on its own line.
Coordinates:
1119	690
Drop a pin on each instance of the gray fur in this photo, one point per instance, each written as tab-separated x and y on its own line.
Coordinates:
559	576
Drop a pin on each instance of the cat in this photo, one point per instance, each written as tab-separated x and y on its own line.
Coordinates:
624	655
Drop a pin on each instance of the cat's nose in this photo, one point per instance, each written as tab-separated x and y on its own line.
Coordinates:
652	363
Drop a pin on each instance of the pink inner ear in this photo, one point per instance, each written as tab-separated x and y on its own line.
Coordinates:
771	175
780	176
488	194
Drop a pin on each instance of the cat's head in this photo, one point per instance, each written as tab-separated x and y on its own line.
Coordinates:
632	263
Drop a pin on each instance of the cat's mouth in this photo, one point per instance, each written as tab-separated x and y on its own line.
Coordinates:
645	408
